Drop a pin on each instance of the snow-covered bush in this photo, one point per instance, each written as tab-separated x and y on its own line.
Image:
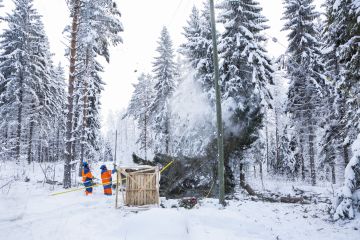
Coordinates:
348	197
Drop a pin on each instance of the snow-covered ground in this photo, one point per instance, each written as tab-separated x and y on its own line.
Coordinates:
27	211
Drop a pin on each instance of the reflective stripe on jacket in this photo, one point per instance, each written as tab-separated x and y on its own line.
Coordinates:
86	177
106	178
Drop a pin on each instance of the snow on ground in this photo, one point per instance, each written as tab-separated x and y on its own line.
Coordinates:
27	211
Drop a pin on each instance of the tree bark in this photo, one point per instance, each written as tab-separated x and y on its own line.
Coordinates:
84	119
69	123
261	174
277	139
57	144
29	154
303	175
333	173
242	174
346	154
19	118
167	136
145	136
267	144
312	155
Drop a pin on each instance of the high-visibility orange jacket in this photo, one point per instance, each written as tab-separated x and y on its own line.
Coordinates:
87	178
107	180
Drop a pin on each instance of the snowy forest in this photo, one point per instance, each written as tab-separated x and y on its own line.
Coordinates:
291	133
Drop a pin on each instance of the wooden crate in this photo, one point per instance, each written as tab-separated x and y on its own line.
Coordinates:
142	186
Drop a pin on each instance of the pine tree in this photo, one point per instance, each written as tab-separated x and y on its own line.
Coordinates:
305	75
164	69
245	72
95	28
99	28
139	108
75	12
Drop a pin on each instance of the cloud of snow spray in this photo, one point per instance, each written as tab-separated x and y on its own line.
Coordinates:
192	118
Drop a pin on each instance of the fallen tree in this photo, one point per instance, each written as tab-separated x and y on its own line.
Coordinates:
186	177
196	177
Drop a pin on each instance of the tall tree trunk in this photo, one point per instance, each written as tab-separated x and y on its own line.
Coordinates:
312	155
242	174
69	117
84	119
261	174
303	170
333	173
166	138
267	144
57	144
346	154
30	143
19	119
145	143
342	153
277	150
39	151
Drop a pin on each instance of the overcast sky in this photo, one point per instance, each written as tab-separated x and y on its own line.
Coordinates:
143	21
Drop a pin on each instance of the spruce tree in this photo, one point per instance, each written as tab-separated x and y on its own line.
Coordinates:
99	29
334	125
192	32
306	80
164	69
25	91
344	16
139	108
245	72
198	48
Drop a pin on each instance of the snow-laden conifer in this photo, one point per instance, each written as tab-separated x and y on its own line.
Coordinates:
139	108
306	80
245	71
344	16
164	70
26	92
99	28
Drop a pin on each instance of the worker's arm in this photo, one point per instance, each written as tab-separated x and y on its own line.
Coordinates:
89	175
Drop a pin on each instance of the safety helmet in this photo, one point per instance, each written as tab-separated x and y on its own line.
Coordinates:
85	164
103	167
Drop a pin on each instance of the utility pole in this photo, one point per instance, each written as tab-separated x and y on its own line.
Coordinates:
115	147
220	139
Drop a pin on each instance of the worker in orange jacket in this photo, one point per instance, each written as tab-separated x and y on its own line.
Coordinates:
107	179
87	178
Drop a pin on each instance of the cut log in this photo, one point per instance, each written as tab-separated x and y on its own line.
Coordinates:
248	189
289	199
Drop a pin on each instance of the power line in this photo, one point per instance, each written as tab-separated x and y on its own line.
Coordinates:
174	13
